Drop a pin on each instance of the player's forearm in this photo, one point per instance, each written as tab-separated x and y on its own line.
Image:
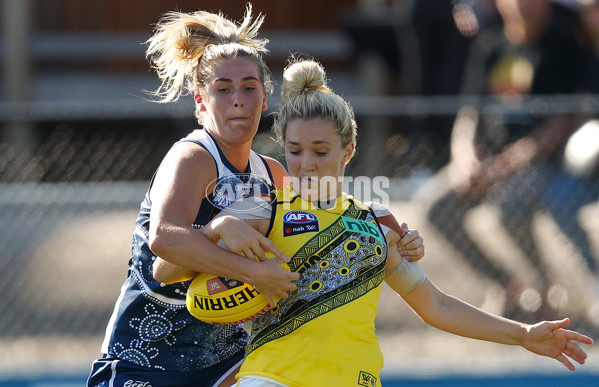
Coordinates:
460	318
168	273
198	253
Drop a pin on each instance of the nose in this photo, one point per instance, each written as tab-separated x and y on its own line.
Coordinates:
238	99
308	164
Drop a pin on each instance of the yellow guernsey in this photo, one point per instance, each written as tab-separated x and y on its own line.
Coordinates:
328	323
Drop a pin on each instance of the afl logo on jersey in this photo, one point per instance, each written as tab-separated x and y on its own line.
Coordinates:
299	217
299	222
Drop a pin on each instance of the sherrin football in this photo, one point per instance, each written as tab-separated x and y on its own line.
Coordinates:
218	300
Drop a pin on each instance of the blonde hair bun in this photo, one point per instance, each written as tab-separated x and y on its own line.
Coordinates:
302	77
306	95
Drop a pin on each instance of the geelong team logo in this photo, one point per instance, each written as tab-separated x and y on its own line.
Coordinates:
299	222
229	188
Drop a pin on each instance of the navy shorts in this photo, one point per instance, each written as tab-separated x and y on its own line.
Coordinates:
114	372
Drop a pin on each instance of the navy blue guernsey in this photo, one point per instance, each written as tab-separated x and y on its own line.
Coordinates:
150	325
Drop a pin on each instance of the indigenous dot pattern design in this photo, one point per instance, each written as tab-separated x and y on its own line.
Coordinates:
336	266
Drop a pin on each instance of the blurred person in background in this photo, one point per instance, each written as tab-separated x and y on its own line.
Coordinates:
577	185
589	37
509	159
151	339
444	31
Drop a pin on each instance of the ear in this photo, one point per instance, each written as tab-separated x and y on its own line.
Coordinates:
348	152
198	100
264	105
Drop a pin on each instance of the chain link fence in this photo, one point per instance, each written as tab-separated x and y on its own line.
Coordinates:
70	192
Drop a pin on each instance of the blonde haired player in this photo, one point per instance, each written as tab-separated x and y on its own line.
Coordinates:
323	334
151	339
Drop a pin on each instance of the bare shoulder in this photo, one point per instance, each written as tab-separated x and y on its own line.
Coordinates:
186	168
189	152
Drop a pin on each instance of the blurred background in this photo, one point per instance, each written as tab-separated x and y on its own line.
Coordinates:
482	114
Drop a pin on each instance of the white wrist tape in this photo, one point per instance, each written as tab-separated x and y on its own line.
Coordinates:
406	277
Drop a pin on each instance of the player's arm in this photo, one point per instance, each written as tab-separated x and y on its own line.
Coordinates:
176	194
401	275
230	232
168	272
546	338
179	186
255	212
448	313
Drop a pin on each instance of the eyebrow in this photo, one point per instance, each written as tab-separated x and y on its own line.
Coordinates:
250	78
317	142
